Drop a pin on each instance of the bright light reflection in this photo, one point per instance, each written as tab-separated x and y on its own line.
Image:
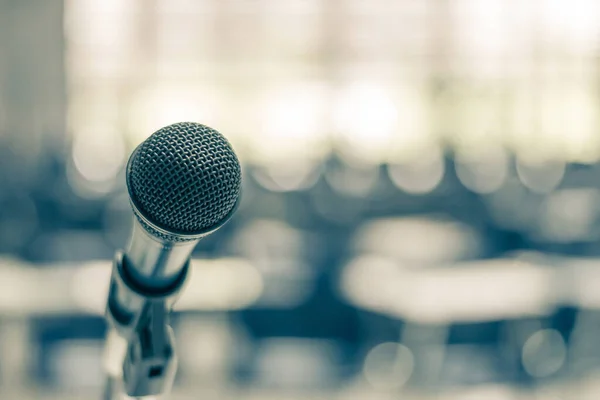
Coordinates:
500	289
94	111
292	125
114	353
487	392
486	32
98	155
224	284
366	272
483	170
108	7
414	135
585	275
554	136
17	288
581	122
479	119
540	177
269	239
179	7
476	291
164	104
366	119
352	179
288	176
419	240
569	215
544	353
388	366
89	286
86	22
75	365
559	123
420	175
574	25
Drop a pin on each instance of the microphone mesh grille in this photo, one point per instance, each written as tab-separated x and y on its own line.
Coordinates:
185	178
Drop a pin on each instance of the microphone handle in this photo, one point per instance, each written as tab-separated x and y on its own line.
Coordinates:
154	262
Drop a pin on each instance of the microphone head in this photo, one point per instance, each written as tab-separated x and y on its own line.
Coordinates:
184	181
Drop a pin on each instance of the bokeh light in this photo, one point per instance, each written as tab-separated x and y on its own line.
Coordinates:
569	215
293	125
163	104
544	353
388	366
540	176
365	118
420	175
573	26
98	156
419	241
483	170
420	207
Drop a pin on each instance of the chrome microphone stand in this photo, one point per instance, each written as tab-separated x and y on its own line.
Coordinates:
140	358
150	362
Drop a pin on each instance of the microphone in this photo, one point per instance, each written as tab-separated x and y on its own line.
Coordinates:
184	183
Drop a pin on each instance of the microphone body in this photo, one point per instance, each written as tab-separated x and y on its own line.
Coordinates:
150	268
184	184
156	263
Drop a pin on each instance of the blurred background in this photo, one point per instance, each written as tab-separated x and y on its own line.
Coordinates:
421	204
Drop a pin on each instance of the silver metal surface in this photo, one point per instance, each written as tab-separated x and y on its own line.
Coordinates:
153	262
146	280
151	363
139	350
